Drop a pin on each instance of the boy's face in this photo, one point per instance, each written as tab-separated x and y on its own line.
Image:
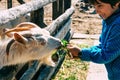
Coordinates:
104	9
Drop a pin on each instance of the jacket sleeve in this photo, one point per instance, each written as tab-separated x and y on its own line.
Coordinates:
106	53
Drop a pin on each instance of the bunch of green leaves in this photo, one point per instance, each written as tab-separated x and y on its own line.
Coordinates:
64	43
60	52
64	46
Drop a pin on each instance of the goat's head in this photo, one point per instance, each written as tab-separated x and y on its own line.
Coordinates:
27	38
35	43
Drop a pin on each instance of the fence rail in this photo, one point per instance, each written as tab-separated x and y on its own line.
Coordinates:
16	12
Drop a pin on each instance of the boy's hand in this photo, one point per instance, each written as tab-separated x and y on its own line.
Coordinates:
73	50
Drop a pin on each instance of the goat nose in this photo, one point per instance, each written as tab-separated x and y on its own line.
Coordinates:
60	45
58	41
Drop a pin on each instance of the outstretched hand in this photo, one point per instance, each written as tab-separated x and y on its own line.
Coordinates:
73	50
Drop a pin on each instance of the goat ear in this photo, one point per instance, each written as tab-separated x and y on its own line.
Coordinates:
19	38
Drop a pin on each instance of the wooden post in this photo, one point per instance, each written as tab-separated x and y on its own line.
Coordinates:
21	1
67	4
9	72
9	4
37	17
57	9
54	10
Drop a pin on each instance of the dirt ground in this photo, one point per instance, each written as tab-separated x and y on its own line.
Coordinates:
82	21
86	23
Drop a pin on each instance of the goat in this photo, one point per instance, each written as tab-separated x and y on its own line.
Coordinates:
27	42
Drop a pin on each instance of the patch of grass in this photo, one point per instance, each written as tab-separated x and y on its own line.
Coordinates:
73	69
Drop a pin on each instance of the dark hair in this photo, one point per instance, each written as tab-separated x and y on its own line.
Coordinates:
111	2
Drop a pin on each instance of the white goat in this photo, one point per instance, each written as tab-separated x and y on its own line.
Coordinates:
27	42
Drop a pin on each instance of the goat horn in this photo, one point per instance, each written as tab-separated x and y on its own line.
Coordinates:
17	29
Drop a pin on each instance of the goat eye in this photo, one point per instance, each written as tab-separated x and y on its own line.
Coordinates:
30	38
37	35
41	40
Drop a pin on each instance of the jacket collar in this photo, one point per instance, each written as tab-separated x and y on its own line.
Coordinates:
113	16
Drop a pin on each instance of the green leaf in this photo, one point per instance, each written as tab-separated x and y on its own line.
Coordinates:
59	52
64	43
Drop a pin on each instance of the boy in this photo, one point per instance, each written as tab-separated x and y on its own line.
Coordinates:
108	51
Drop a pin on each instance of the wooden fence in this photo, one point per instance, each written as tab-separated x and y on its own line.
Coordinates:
59	28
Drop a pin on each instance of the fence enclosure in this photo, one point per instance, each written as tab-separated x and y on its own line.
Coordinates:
60	27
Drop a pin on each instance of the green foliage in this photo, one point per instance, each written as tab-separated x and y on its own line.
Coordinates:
60	52
63	48
64	45
71	77
64	42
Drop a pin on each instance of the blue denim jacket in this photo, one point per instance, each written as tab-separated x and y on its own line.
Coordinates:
108	51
